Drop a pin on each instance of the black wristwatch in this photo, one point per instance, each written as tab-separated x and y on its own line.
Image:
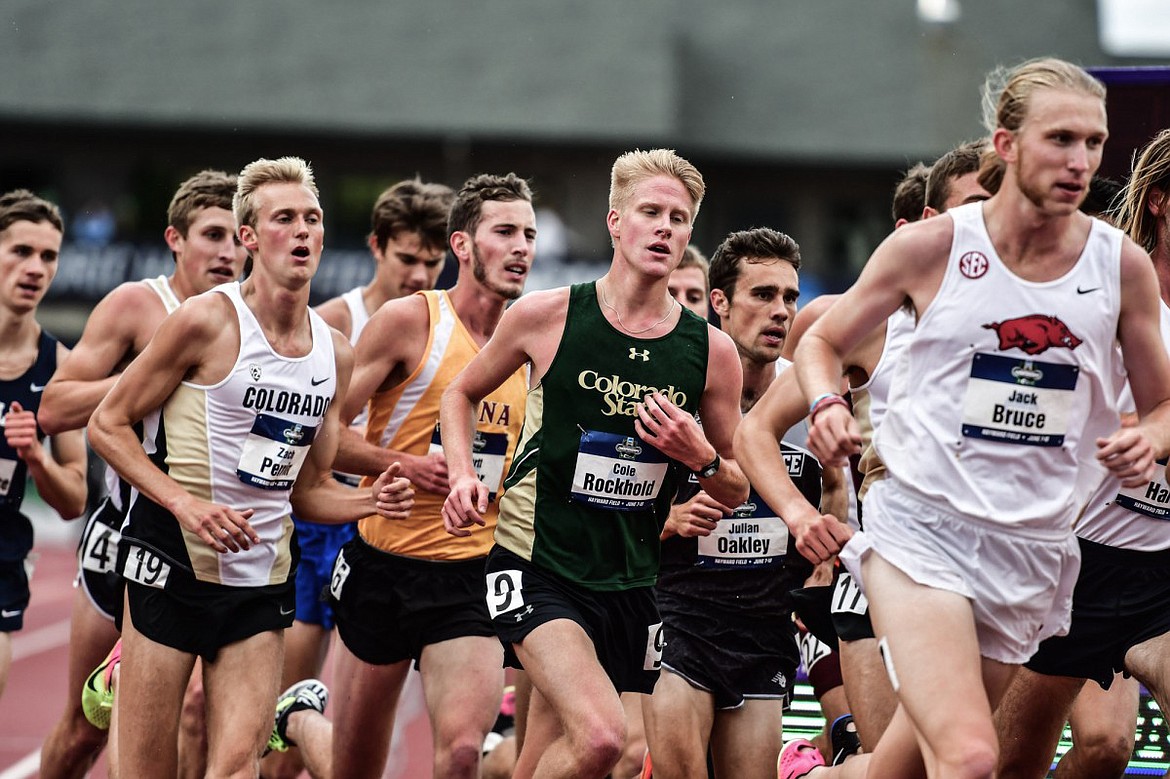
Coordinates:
710	469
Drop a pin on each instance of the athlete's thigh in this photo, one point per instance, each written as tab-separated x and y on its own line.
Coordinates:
240	687
305	647
151	681
746	741
463	682
562	663
1106	716
1029	719
1149	662
678	719
928	639
363	705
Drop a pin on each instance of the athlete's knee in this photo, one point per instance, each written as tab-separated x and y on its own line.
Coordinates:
193	717
630	763
1103	754
973	760
462	757
597	745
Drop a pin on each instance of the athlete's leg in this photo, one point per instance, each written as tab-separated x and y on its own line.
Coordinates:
1148	663
364	703
630	763
151	681
679	719
5	659
1029	721
746	741
867	686
1104	727
240	685
305	646
73	744
463	683
193	728
576	725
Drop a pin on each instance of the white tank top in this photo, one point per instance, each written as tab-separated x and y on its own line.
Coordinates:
1136	518
1021	383
242	442
871	399
358	318
162	287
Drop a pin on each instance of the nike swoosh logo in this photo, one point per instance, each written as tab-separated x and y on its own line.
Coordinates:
284	613
6	613
315	382
36	387
1087	291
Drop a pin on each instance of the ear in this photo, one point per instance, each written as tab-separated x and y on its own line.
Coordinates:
1156	201
720	304
460	245
928	212
173	238
613	223
1004	143
248	238
372	242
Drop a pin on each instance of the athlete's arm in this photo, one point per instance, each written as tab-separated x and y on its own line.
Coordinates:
201	329
1131	451
808	314
910	262
678	435
317	496
390	347
818	535
59	475
109	338
529	332
336	314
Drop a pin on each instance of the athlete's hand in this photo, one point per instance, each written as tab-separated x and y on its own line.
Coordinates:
672	431
392	493
222	528
697	517
833	436
20	431
818	536
1129	455
426	472
465	506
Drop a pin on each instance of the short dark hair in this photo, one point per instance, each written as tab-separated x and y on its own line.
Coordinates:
412	206
1103	194
21	205
757	244
910	194
467	209
959	161
206	189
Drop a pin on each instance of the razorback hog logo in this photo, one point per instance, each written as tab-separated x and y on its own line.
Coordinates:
1033	334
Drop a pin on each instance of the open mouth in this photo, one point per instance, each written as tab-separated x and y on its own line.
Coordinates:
660	248
1070	187
302	252
222	274
775	335
517	269
31	289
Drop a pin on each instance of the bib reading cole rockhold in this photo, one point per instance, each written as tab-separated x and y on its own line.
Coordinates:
586	497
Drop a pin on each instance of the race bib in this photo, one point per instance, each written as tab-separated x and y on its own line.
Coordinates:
1018	401
488	453
146	568
274	452
617	472
99	548
340	574
848	597
505	592
652	661
1151	500
752	537
7	472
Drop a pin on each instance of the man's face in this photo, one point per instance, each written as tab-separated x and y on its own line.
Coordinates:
1058	148
503	247
762	307
211	253
406	265
653	229
689	287
289	231
28	263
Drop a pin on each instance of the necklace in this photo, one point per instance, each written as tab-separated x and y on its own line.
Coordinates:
622	325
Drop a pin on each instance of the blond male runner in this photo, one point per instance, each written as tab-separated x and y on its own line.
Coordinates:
955	564
618	371
236	394
201	234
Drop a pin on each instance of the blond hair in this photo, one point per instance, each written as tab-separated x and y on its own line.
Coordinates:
286	170
634	167
1151	170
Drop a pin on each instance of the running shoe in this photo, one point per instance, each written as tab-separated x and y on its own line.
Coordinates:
647	767
97	695
797	759
843	736
308	694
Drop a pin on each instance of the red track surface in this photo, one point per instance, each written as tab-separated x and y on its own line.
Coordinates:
36	691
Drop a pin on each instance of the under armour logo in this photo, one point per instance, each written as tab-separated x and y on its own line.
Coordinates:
642	353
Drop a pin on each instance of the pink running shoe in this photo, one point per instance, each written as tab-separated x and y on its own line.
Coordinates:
798	758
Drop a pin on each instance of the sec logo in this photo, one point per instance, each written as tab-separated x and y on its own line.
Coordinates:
973	264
